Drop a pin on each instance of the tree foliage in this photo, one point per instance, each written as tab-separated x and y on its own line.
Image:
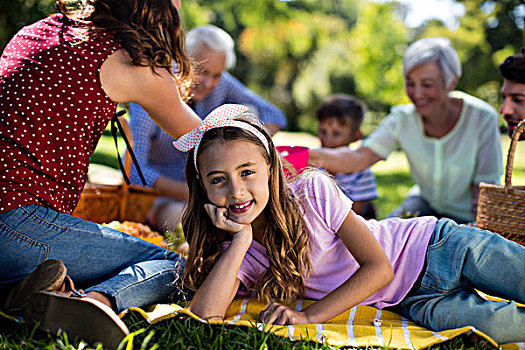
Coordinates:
17	13
488	32
378	41
296	52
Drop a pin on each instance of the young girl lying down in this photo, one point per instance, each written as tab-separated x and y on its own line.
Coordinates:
252	232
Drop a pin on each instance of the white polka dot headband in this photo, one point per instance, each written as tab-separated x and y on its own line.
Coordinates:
218	118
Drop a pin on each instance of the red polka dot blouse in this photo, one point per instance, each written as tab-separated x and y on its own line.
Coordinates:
52	112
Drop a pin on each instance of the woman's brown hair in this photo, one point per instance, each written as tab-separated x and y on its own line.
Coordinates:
285	237
149	30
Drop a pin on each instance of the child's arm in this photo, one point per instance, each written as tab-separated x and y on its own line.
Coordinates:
219	288
343	159
374	273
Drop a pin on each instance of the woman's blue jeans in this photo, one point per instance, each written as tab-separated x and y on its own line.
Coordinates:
131	271
460	258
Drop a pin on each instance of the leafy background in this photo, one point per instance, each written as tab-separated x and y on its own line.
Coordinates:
295	53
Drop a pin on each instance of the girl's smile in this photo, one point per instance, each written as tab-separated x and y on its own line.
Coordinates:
235	176
241	208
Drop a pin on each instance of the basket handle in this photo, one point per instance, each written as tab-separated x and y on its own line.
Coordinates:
127	134
510	157
118	122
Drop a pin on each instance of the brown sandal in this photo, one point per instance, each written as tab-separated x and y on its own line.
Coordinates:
85	318
47	276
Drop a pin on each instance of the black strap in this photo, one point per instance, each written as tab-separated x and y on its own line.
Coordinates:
115	123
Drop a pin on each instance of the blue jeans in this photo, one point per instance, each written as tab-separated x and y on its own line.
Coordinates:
460	258
131	271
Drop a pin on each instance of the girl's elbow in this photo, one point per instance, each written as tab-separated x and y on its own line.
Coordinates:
206	313
196	310
387	272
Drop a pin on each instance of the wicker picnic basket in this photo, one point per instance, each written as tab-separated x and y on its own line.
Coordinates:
105	203
501	209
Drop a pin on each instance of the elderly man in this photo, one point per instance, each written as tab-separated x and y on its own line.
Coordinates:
212	49
513	90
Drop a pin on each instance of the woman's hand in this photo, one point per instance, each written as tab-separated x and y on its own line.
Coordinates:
219	217
343	159
281	315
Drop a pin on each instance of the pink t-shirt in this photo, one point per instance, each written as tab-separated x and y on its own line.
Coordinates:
325	208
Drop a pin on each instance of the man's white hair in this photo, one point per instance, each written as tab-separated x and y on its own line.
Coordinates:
215	39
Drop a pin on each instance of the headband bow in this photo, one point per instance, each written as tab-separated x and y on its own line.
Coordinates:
218	118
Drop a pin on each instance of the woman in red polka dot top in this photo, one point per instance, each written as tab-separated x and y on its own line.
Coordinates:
60	81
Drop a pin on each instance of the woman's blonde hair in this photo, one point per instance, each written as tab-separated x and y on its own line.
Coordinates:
285	237
149	30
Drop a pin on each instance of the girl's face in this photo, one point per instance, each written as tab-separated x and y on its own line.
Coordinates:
426	88
236	176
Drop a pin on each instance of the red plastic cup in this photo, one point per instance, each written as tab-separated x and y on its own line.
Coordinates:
297	156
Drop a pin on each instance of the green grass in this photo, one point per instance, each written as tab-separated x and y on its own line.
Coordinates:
185	333
181	333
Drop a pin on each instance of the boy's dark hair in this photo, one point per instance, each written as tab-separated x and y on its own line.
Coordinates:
342	106
513	68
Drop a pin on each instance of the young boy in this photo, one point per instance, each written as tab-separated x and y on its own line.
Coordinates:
340	117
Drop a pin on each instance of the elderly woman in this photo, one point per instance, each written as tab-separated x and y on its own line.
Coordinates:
451	139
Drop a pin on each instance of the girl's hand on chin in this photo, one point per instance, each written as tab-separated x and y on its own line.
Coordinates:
219	217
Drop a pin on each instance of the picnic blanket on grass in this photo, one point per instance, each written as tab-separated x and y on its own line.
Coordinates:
361	326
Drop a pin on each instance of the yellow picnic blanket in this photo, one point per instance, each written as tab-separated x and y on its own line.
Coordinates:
361	326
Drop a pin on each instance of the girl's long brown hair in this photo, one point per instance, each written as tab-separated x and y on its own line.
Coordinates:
149	30
285	237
